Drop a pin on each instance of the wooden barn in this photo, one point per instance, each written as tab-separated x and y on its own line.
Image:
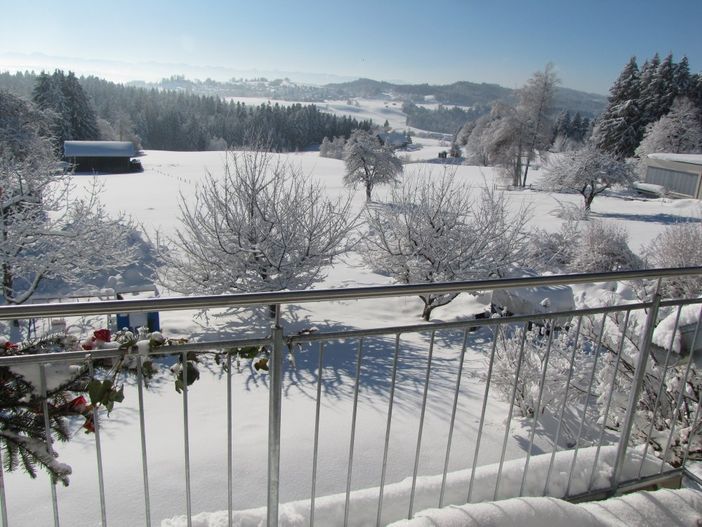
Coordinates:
102	156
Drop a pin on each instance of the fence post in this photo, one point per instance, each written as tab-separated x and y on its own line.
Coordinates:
636	385
275	395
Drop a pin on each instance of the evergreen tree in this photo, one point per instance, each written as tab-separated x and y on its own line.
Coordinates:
620	129
652	87
681	78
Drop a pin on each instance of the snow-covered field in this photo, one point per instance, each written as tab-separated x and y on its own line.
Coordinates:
152	198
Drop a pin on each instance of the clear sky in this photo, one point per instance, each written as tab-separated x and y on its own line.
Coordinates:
437	41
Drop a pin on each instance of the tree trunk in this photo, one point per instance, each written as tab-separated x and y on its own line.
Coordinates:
271	310
426	312
588	201
526	171
369	188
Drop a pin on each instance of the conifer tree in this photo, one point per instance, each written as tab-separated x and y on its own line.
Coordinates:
619	129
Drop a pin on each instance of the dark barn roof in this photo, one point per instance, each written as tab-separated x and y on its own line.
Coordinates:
99	149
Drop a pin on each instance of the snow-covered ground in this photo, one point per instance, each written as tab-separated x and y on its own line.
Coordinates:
152	198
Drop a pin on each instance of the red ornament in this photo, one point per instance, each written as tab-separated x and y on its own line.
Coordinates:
102	334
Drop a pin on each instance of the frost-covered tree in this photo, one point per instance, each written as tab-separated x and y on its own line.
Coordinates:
369	162
535	113
433	230
262	226
677	132
679	245
48	233
588	171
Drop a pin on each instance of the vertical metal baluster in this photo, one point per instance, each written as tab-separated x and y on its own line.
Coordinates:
636	384
659	393
353	432
3	502
230	441
691	435
387	430
316	432
49	440
98	450
482	412
678	403
587	402
275	399
511	410
142	430
186	440
453	417
536	410
421	426
563	407
620	350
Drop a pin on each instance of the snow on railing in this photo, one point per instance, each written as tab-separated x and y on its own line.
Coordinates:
587	369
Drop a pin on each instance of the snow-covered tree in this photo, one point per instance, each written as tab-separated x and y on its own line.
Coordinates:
47	232
603	247
369	162
588	171
677	132
620	127
74	113
262	226
433	230
679	245
534	110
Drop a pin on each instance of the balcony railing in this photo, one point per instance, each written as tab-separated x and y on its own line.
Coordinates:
278	341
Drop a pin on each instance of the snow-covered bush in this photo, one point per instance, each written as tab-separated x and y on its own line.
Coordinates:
333	148
679	245
669	396
603	247
553	251
552	351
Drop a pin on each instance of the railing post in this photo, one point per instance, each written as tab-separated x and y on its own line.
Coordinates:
275	396
636	385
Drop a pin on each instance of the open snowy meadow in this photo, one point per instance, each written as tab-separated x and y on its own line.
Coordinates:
152	199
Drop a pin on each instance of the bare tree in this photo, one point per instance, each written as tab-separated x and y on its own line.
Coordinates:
432	230
263	226
369	162
588	171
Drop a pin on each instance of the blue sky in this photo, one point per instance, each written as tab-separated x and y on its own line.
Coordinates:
502	41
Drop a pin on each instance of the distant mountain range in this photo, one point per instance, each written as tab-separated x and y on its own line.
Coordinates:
461	93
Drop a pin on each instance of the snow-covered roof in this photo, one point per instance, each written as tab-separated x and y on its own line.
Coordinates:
99	149
693	159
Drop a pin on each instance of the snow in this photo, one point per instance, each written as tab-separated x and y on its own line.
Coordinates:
56	374
363	504
151	197
693	159
644	509
663	334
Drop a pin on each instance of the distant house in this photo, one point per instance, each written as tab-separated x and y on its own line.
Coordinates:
393	139
102	156
679	174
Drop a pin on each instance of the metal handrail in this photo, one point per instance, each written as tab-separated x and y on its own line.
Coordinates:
276	339
322	295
